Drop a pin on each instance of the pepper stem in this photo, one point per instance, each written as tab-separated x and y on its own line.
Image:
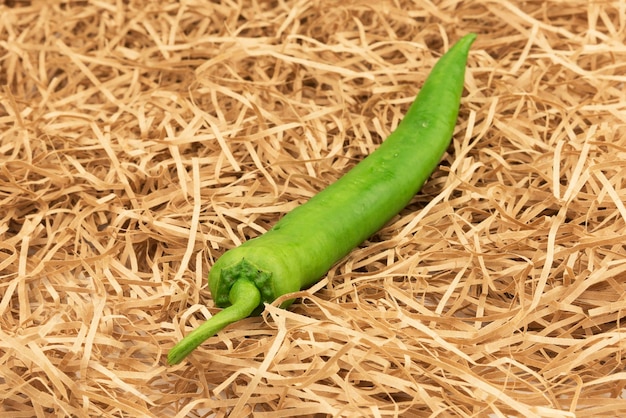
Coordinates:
244	297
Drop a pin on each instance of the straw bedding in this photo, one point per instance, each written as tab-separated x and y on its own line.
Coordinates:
139	140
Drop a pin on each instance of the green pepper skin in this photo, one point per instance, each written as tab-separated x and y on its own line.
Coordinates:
309	240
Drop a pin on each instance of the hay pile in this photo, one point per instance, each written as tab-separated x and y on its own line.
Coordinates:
141	139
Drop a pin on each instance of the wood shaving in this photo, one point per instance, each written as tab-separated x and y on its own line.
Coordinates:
139	140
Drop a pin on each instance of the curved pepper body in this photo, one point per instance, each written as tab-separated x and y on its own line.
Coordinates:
307	241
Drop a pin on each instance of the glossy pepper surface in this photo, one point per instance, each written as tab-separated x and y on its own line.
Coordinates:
306	242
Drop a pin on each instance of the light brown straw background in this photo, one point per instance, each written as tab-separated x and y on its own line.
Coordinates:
139	140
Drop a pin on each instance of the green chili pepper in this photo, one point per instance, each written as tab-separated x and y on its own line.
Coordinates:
306	242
